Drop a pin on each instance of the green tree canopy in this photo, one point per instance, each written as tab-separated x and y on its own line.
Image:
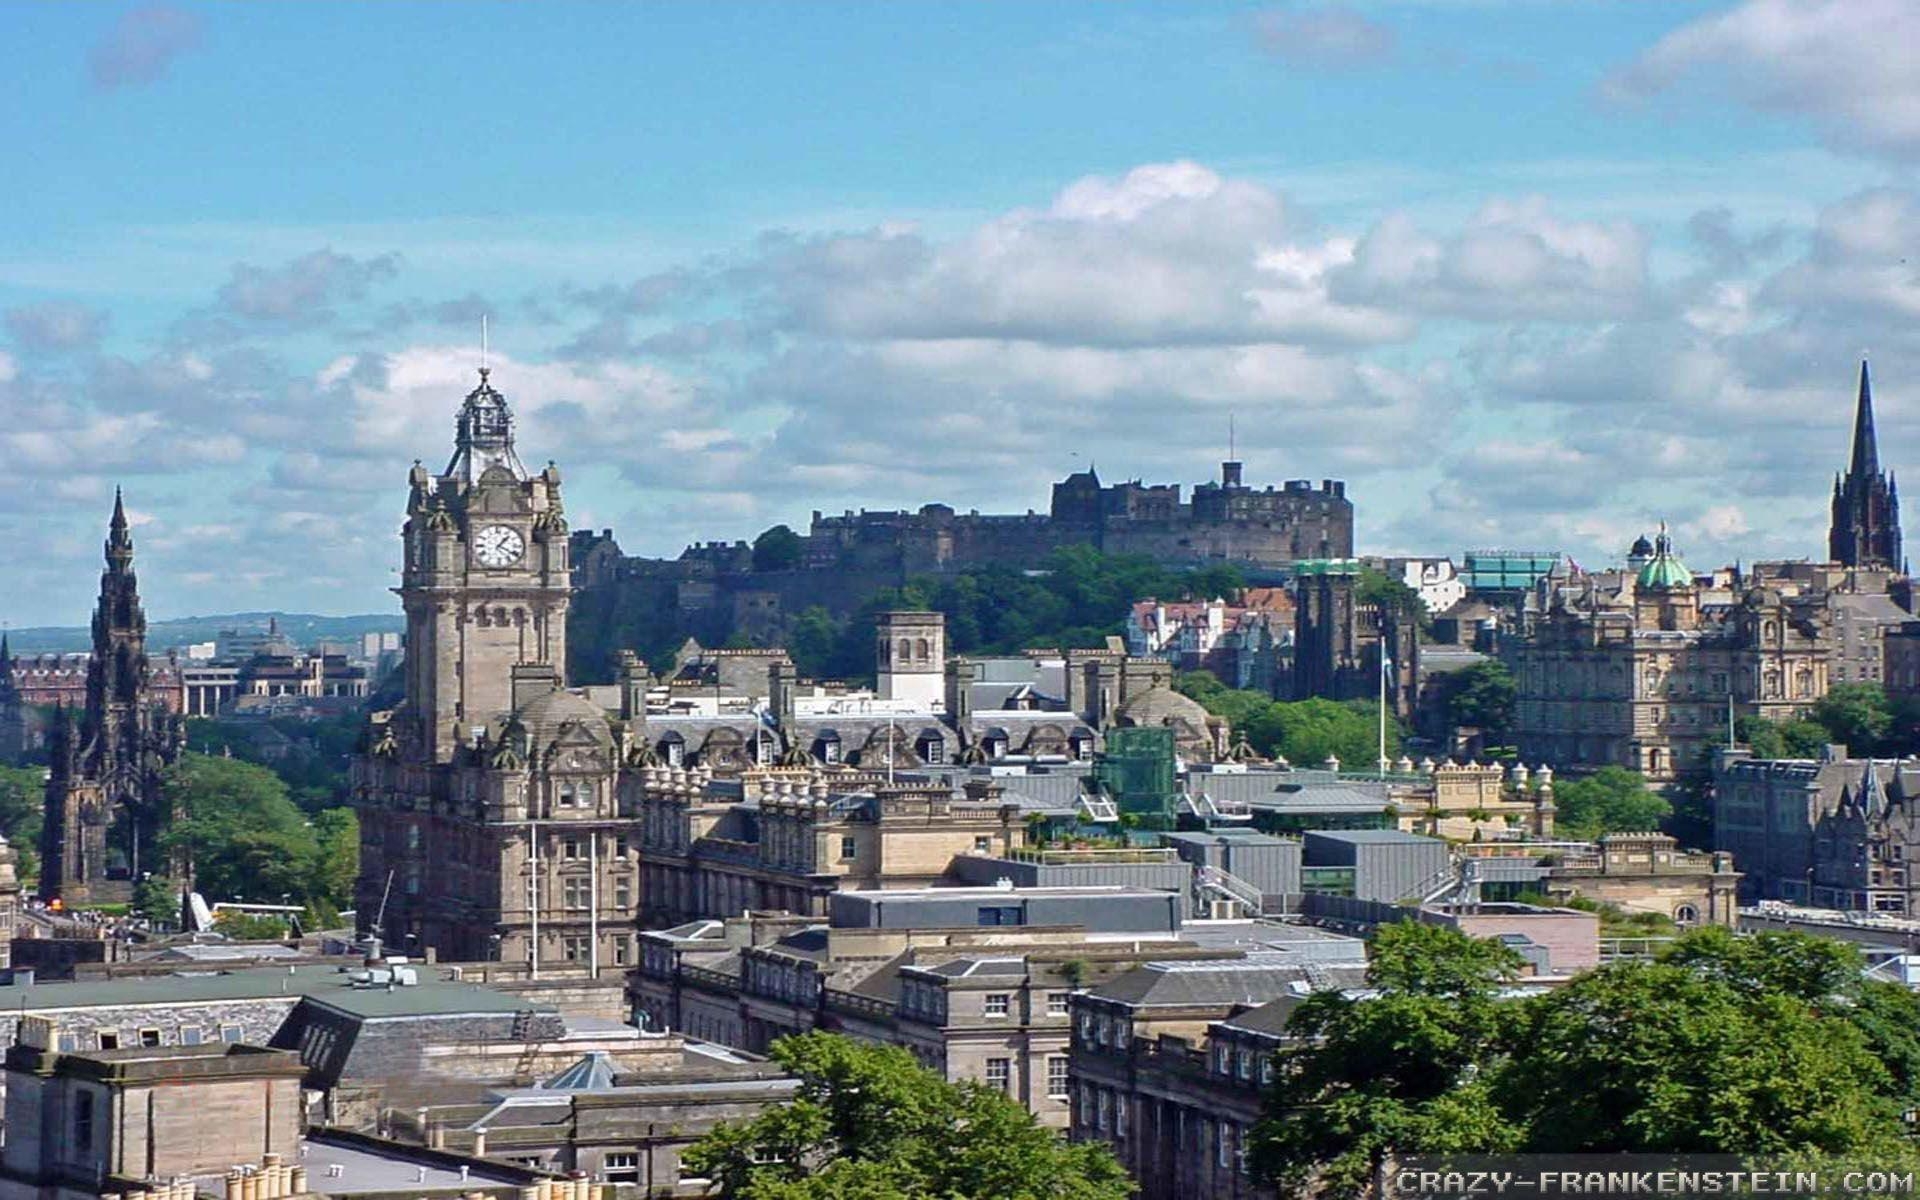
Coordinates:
776	549
1394	1073
870	1122
1772	1045
247	839
23	793
1483	696
1856	715
1611	800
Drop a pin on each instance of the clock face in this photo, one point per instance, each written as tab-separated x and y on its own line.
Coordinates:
498	546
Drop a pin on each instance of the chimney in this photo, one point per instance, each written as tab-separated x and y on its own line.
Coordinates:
961	675
634	678
532	681
783	679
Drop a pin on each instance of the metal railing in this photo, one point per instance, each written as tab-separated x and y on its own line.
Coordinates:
1231	887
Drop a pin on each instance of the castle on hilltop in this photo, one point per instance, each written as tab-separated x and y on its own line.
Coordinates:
843	558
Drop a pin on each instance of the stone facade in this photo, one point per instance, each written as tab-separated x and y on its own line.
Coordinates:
1832	833
1343	644
787	838
109	1119
973	1004
1636	670
1649	873
14	736
715	590
105	807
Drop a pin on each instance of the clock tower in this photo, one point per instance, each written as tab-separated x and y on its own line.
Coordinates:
485	582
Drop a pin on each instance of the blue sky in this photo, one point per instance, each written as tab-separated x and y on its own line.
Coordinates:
1532	272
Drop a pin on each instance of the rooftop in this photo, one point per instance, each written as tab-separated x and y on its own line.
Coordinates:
327	985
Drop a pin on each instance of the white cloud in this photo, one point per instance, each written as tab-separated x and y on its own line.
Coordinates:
1846	64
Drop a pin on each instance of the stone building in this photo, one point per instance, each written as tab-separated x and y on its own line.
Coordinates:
988	1004
1866	501
490	827
14	737
506	817
105	806
1168	1065
1475	801
1343	645
89	1121
1832	832
714	589
1634	670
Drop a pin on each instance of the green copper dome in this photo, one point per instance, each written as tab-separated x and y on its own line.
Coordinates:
1665	570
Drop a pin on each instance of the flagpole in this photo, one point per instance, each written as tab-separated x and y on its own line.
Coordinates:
1385	664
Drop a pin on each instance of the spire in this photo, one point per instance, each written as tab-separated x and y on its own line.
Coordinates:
1866	448
119	539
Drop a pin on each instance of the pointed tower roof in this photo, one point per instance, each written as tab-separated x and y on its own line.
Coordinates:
1866	447
1873	797
119	537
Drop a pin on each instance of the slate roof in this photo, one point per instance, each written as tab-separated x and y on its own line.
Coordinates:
1255	979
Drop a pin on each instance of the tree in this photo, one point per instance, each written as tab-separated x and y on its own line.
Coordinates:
157	898
1397	1072
22	809
1308	732
243	834
1611	800
777	549
336	835
1483	696
1855	715
1797	738
1662	1057
869	1122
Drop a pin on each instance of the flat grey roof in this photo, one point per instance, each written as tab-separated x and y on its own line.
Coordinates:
1007	893
1391	836
324	984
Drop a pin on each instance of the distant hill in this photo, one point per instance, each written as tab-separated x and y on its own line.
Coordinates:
303	628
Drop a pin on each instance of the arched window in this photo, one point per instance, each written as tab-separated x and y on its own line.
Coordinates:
904	651
921	650
1686	914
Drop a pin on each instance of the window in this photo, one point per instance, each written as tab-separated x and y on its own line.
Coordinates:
109	1039
983	844
622	951
149	1037
1120	1113
83	1120
574	949
572	848
1223	1059
1246	1064
620	1168
1266	1070
1000	1073
1103	1112
1057	1076
998	1003
623	892
1086	1028
1224	1156
575	892
230	1034
69	1043
1010	914
621	847
1057	1004
849	847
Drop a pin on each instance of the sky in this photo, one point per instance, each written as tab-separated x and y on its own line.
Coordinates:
1525	273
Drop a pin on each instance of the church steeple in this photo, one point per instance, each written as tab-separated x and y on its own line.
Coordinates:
1866	505
119	538
1866	447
